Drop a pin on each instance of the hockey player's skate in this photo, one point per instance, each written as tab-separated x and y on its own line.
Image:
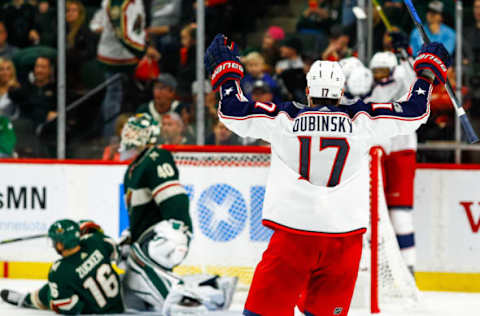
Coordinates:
228	286
14	298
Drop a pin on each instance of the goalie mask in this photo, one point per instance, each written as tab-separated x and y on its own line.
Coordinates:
139	131
325	79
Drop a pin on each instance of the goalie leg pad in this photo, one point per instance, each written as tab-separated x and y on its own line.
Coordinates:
146	280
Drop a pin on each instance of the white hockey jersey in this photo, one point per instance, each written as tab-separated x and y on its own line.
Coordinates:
394	89
318	180
123	37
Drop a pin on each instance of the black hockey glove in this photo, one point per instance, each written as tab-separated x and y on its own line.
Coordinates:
400	41
222	61
432	62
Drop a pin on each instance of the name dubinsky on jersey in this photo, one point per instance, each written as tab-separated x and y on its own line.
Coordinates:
318	181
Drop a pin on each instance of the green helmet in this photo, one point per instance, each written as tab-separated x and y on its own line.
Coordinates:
66	232
139	131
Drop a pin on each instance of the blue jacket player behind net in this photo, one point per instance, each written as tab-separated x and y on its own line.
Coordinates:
320	151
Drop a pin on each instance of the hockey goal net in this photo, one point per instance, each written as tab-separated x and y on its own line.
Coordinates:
226	186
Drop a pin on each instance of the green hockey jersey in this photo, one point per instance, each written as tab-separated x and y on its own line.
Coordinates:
85	282
153	192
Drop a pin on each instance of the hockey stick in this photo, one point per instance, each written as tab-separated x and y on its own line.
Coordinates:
462	116
389	28
8	241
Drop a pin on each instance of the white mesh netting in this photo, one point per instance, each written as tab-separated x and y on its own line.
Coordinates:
396	288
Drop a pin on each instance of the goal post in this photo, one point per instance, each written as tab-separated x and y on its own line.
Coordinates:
226	186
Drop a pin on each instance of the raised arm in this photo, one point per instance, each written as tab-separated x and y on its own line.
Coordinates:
399	118
396	118
242	116
250	118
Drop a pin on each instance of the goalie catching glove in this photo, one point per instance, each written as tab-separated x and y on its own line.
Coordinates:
432	62
222	62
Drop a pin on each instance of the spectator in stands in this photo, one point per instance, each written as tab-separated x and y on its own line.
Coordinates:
173	131
120	49
7	138
164	100
318	17
97	23
46	24
6	50
37	97
290	52
261	92
435	29
80	44
337	45
271	48
111	152
187	66
290	70
255	65
348	18
164	20
441	122
146	73
8	80
211	106
472	60
222	136
19	18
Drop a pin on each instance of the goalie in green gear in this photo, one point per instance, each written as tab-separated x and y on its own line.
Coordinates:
83	280
160	227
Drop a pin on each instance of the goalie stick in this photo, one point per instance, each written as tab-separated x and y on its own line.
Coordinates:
462	116
8	241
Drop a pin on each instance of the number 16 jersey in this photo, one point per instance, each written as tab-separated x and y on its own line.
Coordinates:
318	181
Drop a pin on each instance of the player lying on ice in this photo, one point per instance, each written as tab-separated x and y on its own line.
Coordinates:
83	281
316	200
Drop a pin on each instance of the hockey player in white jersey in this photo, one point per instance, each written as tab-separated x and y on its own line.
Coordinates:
358	85
316	196
400	158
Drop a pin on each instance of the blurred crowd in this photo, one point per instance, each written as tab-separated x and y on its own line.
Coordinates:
153	68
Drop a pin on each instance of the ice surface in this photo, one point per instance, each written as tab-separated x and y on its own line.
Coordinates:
435	303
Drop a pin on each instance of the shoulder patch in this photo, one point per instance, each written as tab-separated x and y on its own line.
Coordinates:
154	155
397	107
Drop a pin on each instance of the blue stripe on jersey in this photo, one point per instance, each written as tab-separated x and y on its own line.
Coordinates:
249	313
413	108
308	314
234	105
406	241
402	208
